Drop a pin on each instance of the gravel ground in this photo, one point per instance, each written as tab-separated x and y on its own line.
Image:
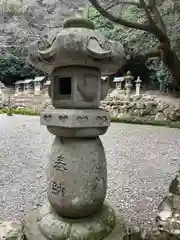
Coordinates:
142	160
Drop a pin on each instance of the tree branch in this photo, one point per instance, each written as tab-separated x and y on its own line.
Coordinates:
119	20
145	7
151	27
144	56
157	16
157	26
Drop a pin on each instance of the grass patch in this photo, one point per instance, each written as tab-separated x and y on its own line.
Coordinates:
23	111
143	121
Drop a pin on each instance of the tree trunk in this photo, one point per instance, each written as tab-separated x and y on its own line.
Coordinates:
172	62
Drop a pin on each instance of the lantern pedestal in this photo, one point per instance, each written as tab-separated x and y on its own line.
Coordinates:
44	224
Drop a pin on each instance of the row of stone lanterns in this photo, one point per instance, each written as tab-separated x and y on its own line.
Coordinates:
77	175
128	84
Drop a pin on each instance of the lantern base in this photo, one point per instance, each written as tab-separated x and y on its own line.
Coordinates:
45	224
89	228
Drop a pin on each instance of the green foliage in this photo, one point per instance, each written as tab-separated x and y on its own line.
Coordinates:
115	31
104	25
13	67
138	40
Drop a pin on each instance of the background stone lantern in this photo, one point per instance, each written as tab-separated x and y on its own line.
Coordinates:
128	79
77	175
119	81
138	85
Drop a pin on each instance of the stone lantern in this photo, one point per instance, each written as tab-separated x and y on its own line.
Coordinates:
138	85
119	81
77	176
128	79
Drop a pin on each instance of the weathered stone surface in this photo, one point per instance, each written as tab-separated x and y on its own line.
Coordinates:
121	231
47	225
174	187
168	217
141	106
136	112
76	123
11	230
103	225
159	117
79	46
118	95
104	88
77	177
52	227
77	132
76	118
47	105
84	87
158	235
172	113
31	228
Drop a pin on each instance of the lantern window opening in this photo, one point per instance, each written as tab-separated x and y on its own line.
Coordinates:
65	86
